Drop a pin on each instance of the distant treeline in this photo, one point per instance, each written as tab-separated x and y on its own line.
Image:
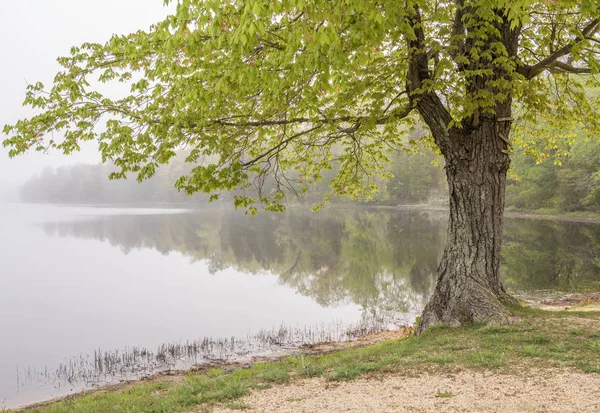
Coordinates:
89	184
573	185
416	180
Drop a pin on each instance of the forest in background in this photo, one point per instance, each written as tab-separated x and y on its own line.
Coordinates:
570	183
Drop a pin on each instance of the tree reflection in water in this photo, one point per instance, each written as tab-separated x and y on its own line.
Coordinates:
384	261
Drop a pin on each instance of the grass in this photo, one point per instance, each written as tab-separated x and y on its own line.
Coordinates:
539	339
237	406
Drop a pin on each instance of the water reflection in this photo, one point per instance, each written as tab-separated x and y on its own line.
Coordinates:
549	255
383	261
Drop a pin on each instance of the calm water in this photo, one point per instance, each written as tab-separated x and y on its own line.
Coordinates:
80	286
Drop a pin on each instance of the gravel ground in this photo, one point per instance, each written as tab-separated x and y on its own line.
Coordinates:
469	391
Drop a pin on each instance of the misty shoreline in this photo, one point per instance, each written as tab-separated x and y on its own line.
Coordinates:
584	217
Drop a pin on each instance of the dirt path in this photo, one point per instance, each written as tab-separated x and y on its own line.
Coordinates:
470	391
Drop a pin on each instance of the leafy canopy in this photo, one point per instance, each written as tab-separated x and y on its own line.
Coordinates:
281	89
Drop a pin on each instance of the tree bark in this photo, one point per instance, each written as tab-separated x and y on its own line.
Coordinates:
468	288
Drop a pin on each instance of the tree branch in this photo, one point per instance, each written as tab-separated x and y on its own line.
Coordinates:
397	114
458	30
565	67
532	71
279	146
428	103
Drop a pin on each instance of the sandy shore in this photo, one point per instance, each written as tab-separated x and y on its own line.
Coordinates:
467	391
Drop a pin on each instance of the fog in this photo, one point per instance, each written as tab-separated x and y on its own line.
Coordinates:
33	33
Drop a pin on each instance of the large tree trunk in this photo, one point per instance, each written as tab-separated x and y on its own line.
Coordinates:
468	286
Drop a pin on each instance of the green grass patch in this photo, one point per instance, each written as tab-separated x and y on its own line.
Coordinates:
351	371
590	367
311	370
487	359
539	339
274	372
237	406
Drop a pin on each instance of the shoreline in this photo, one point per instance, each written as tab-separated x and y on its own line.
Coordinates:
538	344
584	218
590	218
228	366
573	303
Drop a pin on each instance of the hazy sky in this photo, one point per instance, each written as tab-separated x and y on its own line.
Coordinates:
33	33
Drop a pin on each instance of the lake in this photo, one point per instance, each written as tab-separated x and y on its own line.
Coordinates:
91	296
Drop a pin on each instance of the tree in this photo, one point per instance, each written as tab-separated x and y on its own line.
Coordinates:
284	88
